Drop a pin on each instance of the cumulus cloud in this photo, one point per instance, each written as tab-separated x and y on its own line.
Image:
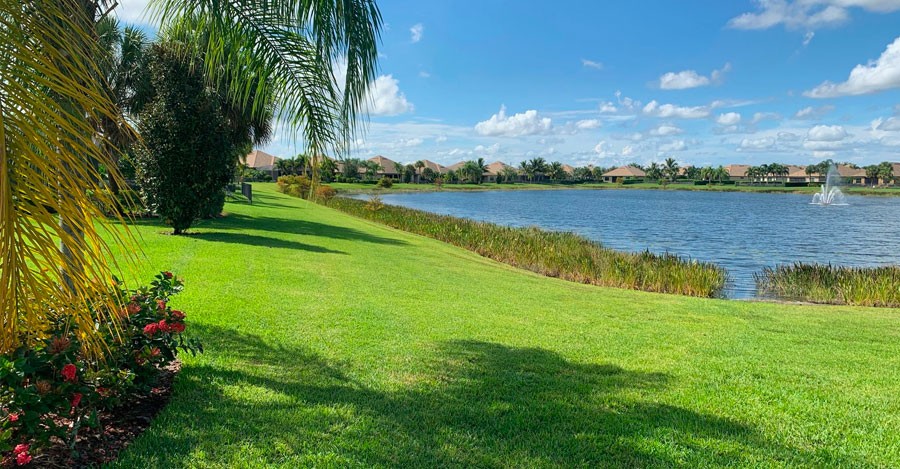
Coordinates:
879	75
602	149
686	79
813	113
757	144
517	125
588	124
677	145
591	64
826	133
416	32
386	99
653	108
608	108
665	130
763	116
728	118
490	150
627	150
806	14
891	124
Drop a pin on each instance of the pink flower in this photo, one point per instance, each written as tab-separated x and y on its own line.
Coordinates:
163	326
167	274
154	352
76	399
176	314
23	459
20	448
13	417
161	304
177	327
69	372
133	308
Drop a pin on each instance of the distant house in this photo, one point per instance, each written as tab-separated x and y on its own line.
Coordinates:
437	168
387	167
852	175
797	174
493	170
737	172
623	172
570	170
455	166
262	161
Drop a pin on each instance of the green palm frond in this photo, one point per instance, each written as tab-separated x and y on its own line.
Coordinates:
50	188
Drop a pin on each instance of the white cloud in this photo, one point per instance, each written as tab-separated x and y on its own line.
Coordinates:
588	124
691	79
826	133
517	125
608	108
386	99
762	116
653	108
757	144
133	11
788	137
409	142
603	150
592	64
440	139
806	14
813	113
627	150
808	37
879	75
665	130
729	118
416	32
424	74
891	124
677	145
490	150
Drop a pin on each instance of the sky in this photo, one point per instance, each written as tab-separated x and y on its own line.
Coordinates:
613	82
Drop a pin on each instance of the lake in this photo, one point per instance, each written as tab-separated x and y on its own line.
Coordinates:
740	231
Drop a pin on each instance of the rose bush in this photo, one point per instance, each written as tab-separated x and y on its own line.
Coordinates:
49	391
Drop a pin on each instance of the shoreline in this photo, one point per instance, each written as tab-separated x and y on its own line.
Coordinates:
358	189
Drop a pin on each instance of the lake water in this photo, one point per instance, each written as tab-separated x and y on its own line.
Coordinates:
742	232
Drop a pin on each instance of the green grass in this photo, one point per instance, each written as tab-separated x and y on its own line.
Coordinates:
817	283
357	188
554	254
333	342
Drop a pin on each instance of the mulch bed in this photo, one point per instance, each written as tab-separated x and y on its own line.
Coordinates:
117	429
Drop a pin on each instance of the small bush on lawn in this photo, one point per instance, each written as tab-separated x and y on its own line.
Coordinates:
49	391
385	182
325	193
297	186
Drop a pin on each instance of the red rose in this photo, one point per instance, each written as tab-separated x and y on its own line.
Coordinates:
133	308
76	399
20	448
161	304
163	326
177	314
167	274
69	372
13	417
154	352
23	459
177	327
151	328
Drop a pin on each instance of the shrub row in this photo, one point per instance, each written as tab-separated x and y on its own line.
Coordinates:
815	283
50	388
555	254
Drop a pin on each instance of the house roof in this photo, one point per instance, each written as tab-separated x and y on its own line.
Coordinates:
496	167
259	159
737	170
569	169
625	171
796	171
455	166
388	166
848	172
434	166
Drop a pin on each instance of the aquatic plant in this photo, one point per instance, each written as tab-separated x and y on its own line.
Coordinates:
554	254
818	283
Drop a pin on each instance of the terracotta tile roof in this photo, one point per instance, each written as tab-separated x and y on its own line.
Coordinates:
625	171
259	159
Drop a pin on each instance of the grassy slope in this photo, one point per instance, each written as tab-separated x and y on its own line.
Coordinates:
332	341
359	188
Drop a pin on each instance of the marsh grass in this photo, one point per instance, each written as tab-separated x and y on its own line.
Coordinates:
817	283
554	254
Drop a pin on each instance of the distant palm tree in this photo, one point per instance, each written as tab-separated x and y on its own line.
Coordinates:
538	167
527	170
419	166
510	175
555	171
654	171
671	168
399	168
721	174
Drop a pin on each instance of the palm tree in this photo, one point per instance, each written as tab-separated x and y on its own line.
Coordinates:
419	165
654	171
538	167
671	168
509	174
721	174
555	171
399	168
371	168
527	170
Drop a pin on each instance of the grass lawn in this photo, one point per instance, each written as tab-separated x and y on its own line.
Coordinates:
350	188
334	342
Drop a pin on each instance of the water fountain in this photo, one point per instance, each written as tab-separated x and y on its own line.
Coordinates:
831	192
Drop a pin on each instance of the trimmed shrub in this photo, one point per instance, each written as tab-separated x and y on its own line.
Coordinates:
385	182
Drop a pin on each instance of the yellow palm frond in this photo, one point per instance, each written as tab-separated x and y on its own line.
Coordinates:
54	256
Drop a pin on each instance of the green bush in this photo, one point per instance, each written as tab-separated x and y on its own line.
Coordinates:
385	182
297	186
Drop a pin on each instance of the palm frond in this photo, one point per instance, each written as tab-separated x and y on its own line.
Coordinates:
50	186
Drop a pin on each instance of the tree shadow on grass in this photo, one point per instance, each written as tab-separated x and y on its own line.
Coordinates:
261	241
302	227
479	404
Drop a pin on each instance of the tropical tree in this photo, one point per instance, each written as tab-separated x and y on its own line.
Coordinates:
670	168
409	173
371	169
419	165
350	167
452	176
597	173
555	171
398	167
654	171
508	175
721	174
527	169
327	169
886	172
429	174
538	167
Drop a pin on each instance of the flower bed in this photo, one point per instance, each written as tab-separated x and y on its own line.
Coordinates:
51	390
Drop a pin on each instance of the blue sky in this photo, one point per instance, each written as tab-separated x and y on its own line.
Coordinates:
608	83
